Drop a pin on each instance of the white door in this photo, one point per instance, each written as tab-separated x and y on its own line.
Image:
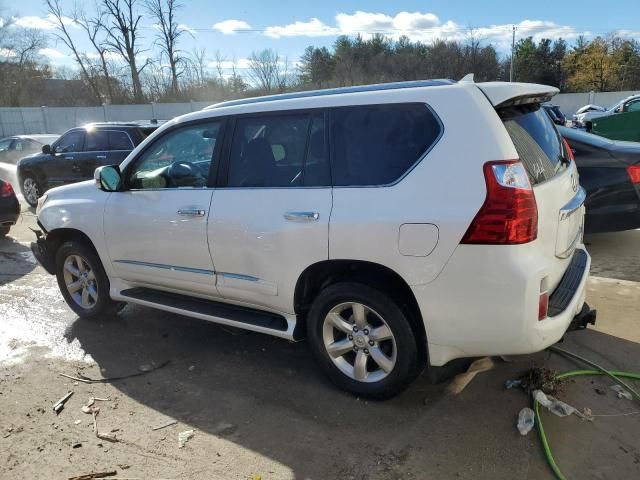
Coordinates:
156	229
271	220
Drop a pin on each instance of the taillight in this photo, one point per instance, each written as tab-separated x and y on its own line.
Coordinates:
634	174
509	214
568	148
6	190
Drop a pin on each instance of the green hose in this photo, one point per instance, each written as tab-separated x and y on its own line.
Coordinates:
615	375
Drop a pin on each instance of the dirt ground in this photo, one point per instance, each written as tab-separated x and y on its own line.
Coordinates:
260	409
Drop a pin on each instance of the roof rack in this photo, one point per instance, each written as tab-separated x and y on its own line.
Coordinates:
335	91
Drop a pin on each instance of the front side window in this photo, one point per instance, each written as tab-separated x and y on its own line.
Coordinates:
70	142
279	150
181	158
633	106
97	141
377	144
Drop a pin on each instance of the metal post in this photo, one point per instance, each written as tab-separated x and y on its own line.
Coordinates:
104	112
153	111
43	109
513	51
24	127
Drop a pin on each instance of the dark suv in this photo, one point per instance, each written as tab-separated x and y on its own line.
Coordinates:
76	154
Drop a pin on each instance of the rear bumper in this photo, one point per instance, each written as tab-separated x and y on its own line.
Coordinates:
485	302
9	211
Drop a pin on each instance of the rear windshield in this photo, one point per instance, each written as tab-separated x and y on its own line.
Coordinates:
537	141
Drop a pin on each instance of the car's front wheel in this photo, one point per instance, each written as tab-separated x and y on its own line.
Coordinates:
31	191
83	281
4	231
363	340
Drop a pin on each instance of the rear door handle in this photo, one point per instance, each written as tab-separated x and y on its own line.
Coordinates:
69	158
302	216
101	157
192	212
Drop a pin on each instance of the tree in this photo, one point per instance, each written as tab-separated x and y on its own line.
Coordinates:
268	71
169	32
63	34
123	24
317	67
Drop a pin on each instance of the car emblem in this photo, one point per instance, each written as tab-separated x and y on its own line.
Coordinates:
574	182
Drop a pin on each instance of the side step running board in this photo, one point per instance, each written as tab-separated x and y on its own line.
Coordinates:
232	315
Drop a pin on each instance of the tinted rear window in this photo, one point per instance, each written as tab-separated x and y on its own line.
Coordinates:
377	144
536	139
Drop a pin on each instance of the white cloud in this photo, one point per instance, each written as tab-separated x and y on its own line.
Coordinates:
425	27
186	28
109	55
230	27
241	64
312	28
51	53
41	23
7	52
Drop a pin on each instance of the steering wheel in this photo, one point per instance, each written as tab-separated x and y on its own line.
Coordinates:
185	174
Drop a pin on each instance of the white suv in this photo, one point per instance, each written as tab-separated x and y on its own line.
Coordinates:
393	225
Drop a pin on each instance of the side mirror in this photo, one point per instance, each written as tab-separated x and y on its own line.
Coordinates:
46	149
108	178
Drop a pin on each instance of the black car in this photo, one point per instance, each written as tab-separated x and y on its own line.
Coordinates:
14	148
9	207
555	114
610	173
76	154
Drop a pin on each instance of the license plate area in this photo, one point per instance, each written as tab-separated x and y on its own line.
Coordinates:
570	225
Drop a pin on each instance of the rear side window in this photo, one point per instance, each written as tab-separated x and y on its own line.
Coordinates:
96	141
279	150
537	141
377	144
119	140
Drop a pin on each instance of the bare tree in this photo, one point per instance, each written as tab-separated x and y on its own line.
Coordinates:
122	27
94	27
169	32
268	71
61	20
199	63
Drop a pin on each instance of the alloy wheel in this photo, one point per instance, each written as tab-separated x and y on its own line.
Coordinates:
80	281
30	191
359	342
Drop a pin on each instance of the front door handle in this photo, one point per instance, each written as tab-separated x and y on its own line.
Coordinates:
302	216
192	212
101	157
69	158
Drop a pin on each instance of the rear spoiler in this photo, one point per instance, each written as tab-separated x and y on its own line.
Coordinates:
507	94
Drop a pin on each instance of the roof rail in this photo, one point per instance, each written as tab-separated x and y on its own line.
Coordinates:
334	91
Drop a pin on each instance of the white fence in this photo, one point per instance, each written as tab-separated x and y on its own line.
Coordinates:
15	121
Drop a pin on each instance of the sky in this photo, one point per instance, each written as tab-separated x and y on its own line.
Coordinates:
236	28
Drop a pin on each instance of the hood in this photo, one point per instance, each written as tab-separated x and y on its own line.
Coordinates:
590	108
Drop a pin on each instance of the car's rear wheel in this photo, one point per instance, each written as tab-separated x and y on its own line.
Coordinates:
83	281
4	231
31	191
363	340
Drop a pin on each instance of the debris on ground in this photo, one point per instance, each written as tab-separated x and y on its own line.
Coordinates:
526	420
555	406
513	383
82	378
92	476
622	392
541	378
164	425
183	437
461	380
59	405
110	437
600	391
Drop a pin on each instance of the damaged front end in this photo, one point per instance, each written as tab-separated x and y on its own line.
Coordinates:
42	252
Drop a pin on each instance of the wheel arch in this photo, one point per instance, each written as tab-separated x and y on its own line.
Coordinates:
57	237
320	275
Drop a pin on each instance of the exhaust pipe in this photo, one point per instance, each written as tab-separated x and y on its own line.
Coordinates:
581	320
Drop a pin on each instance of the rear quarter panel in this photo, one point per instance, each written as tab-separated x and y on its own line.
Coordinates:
446	188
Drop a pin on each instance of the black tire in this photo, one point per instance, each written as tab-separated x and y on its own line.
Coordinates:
407	362
4	231
27	198
104	306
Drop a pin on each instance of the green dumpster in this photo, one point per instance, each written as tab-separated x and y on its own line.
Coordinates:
621	126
